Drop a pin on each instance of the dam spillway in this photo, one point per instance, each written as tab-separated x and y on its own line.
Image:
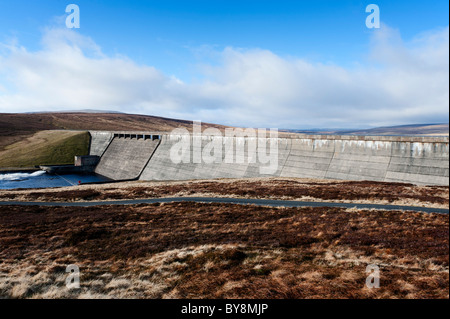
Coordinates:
126	156
415	160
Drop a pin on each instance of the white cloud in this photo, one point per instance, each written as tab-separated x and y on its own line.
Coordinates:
400	83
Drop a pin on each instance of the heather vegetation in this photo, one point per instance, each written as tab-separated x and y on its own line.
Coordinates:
193	250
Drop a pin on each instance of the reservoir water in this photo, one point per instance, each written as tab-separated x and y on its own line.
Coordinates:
41	179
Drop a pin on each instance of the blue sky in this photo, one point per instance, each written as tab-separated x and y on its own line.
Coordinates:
226	61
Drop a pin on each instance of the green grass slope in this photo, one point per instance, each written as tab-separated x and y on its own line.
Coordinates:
45	148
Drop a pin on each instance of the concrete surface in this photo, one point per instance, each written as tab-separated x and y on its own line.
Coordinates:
416	160
125	158
99	142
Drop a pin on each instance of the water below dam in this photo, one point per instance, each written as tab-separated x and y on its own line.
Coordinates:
41	179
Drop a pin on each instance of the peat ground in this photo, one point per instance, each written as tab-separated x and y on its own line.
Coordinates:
268	188
193	250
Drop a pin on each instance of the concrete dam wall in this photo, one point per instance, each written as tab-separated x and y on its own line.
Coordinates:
125	157
417	160
99	142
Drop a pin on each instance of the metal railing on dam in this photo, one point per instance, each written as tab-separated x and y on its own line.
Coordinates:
407	159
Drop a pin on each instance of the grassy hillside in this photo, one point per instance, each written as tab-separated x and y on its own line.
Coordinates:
14	127
30	139
45	147
10	122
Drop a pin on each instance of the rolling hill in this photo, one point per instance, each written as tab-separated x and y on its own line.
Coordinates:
16	126
409	130
29	139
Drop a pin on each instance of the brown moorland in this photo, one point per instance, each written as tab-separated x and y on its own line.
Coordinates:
399	130
193	250
14	127
268	188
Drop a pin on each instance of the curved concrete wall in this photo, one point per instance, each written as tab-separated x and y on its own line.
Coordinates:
125	158
414	160
425	162
417	160
161	166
